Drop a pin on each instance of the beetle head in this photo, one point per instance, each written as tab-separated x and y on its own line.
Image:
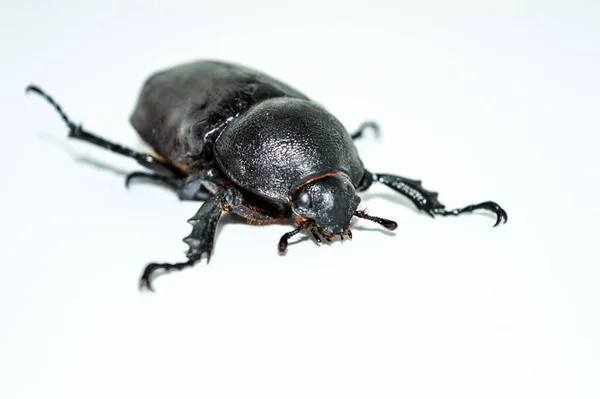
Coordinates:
329	201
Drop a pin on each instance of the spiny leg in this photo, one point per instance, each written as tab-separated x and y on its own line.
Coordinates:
427	200
200	240
77	132
368	125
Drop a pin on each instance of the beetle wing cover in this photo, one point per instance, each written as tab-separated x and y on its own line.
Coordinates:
179	107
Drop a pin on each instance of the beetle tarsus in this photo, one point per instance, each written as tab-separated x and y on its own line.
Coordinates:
200	240
152	268
57	107
501	215
167	181
368	125
427	201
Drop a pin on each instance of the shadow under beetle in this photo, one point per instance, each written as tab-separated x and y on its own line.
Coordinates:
244	142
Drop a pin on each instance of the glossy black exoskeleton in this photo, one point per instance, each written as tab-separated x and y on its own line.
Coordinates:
246	143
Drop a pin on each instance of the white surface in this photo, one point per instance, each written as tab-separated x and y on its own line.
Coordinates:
495	102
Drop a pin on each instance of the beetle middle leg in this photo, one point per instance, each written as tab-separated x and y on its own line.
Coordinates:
196	186
76	131
426	200
204	222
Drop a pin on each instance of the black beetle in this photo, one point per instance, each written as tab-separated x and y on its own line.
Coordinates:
246	143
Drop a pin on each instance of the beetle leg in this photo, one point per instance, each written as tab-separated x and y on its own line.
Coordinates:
170	182
427	200
368	125
200	240
501	215
187	189
77	132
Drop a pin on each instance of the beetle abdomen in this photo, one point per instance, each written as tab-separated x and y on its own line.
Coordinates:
282	142
182	109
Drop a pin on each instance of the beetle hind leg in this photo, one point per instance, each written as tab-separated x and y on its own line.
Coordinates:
428	202
77	132
368	125
501	215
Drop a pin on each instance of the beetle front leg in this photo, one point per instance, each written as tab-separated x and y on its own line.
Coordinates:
200	241
427	201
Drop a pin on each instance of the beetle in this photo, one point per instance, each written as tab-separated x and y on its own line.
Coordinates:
244	142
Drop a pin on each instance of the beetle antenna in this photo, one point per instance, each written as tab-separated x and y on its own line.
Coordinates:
388	224
41	92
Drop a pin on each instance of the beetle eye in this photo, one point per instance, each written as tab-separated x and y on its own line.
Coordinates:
302	200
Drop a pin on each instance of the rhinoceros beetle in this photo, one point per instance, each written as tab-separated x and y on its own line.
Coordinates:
244	142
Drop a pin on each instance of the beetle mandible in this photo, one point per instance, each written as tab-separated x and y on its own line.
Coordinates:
244	142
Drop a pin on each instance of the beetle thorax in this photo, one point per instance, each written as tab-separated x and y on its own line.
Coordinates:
280	143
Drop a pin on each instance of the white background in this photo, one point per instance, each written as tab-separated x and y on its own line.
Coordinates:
498	101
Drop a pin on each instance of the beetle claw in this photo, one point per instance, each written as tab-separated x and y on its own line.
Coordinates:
501	215
135	175
146	279
152	268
